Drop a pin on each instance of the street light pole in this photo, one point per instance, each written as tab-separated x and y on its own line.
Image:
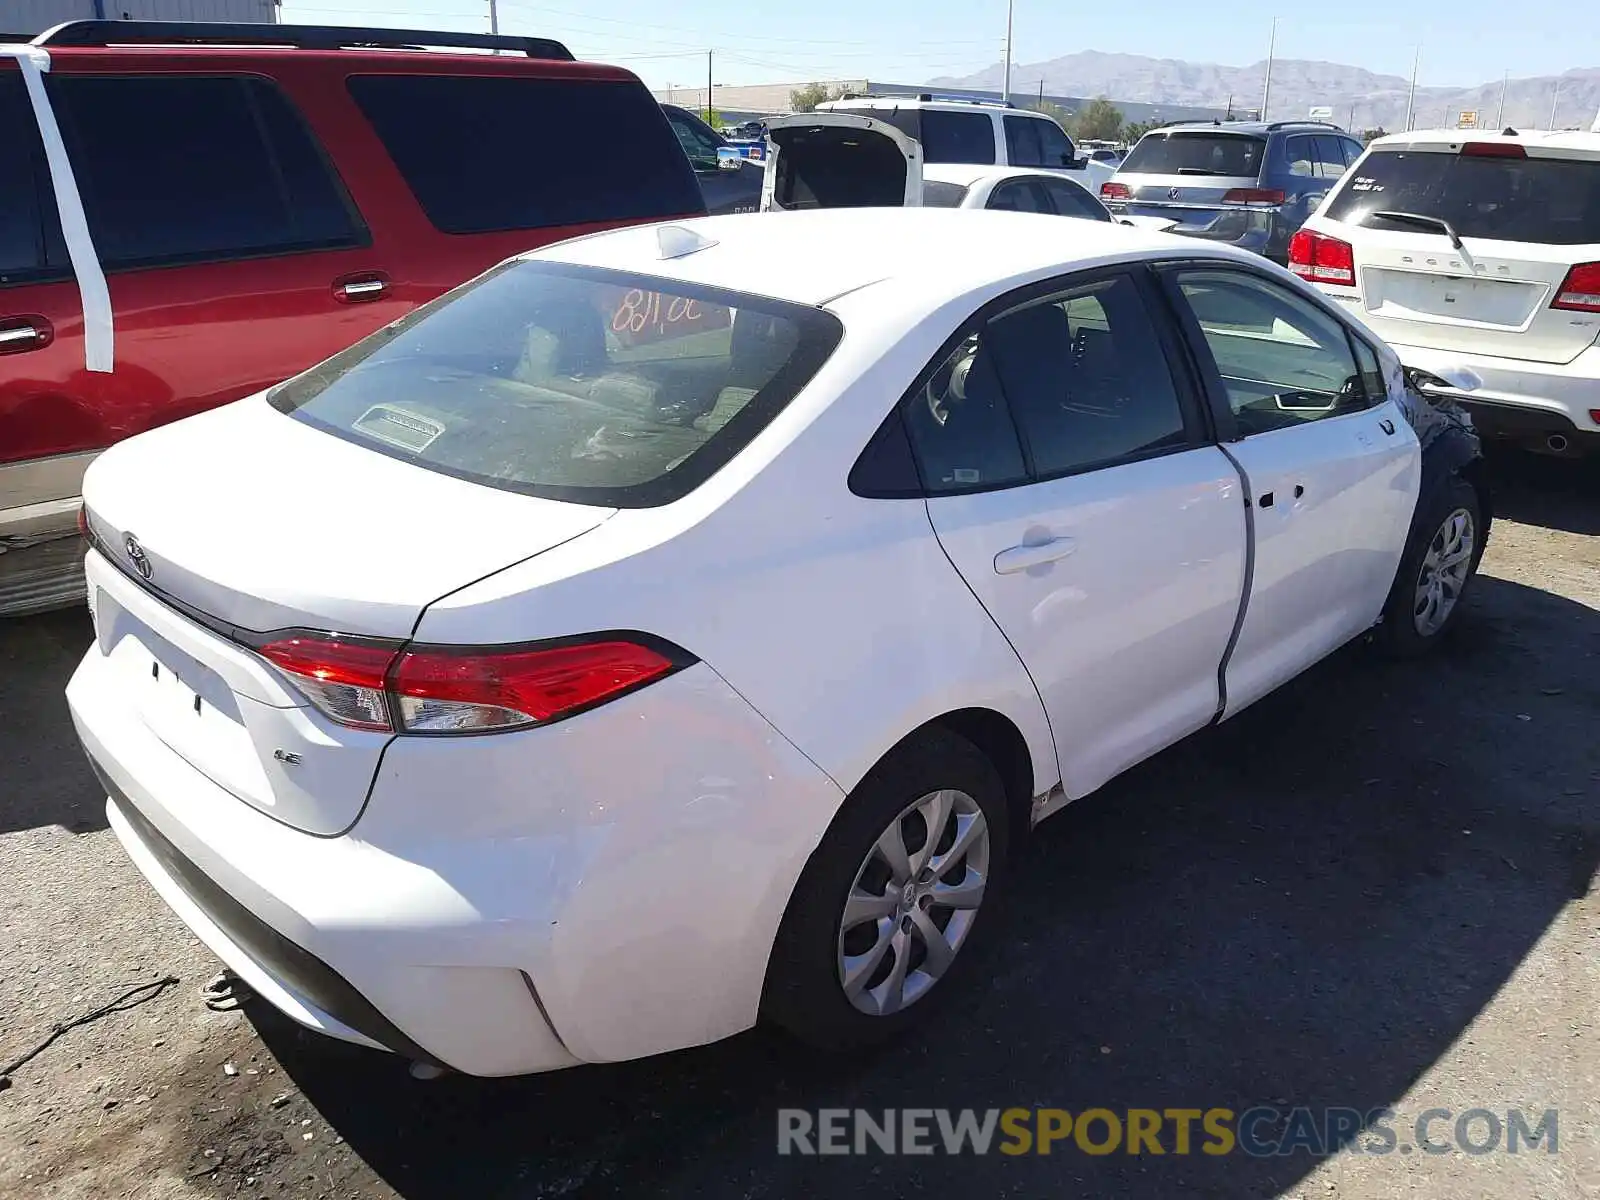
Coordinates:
1266	88
1555	100
494	16
1500	113
1005	93
708	87
1411	96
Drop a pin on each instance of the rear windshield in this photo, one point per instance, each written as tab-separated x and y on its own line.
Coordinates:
942	195
597	387
481	153
1198	153
1555	201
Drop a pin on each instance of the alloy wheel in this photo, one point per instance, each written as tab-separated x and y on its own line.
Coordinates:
1444	572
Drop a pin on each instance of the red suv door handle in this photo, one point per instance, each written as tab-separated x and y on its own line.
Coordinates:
18	335
361	289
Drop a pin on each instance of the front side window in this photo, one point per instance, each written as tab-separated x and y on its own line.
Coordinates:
1086	379
1283	361
597	387
493	153
190	168
956	137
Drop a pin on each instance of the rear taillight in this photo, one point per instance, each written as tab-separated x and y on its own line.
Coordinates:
1580	290
1494	150
1322	259
1254	197
1112	190
384	686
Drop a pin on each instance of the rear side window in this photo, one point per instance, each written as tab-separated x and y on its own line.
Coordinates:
185	168
1020	195
484	154
27	204
596	387
1553	201
1086	378
1199	153
1024	146
957	137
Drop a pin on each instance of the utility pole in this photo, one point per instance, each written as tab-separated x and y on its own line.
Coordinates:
1350	125
494	16
1500	113
1005	92
709	109
1228	116
1041	95
1555	100
1266	88
1410	100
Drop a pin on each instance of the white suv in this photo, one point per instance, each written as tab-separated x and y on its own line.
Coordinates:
1477	257
972	131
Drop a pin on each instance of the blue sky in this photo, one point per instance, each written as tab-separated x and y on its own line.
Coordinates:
1464	41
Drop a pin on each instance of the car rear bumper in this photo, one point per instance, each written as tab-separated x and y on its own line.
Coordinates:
1520	399
511	904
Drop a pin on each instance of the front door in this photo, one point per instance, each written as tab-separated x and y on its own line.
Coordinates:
1330	463
1071	484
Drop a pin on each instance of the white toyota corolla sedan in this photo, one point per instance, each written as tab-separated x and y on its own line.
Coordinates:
684	625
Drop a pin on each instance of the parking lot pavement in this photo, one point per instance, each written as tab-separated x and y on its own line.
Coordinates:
1373	888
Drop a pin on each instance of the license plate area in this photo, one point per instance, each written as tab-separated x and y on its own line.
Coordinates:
1417	296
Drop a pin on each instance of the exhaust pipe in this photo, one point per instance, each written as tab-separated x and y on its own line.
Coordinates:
1556	443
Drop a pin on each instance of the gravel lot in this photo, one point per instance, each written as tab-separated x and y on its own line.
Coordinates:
1375	887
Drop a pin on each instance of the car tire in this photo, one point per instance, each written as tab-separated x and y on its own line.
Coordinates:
819	945
1427	580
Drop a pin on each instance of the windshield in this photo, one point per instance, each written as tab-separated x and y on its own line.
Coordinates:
597	387
1555	201
1198	153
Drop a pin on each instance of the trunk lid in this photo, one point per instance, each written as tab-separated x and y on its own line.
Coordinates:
264	522
1524	217
840	160
259	522
1182	175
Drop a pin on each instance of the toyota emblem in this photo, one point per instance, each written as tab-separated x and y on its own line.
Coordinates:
136	555
1172	193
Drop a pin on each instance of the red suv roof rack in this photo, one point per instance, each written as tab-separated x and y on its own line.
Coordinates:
304	37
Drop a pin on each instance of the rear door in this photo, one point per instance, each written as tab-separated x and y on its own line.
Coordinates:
1070	481
1184	174
232	252
840	160
1525	218
43	414
1330	463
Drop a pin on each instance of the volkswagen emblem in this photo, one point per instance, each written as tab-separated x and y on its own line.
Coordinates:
136	555
1172	193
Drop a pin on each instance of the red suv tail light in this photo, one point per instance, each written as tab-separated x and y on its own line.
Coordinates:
1580	290
1494	150
1254	197
1112	190
386	686
1322	259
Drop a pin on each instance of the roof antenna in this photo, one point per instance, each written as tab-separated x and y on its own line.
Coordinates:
676	241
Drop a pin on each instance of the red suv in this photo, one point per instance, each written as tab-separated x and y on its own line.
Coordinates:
204	210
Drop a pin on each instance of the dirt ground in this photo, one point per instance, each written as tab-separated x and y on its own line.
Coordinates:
1373	888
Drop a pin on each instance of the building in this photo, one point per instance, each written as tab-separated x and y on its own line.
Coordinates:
27	18
741	101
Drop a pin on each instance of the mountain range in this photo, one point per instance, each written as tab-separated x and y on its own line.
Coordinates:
1360	99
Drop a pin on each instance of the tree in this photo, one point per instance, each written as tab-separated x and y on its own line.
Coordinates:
1061	116
1132	132
805	99
1101	120
1368	134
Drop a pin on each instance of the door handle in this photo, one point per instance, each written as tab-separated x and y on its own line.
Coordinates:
1386	425
21	334
359	289
1037	554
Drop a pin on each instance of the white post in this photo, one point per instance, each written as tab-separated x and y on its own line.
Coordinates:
1411	96
1266	88
1005	91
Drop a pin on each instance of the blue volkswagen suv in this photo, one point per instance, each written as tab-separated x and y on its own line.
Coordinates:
1247	183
